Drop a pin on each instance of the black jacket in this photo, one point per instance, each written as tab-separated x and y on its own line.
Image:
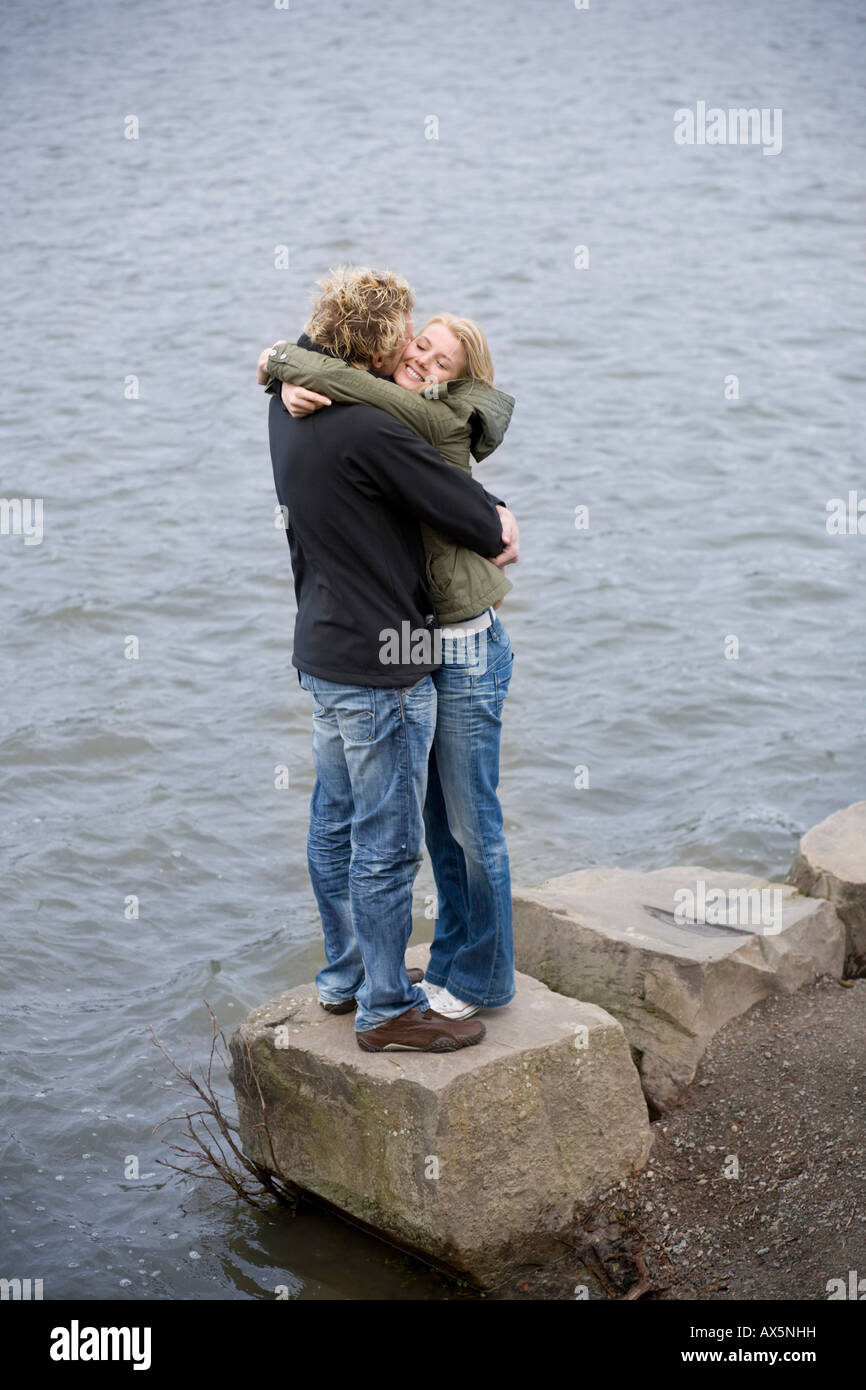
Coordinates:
354	483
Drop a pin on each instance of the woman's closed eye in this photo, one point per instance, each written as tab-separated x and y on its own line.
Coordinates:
423	346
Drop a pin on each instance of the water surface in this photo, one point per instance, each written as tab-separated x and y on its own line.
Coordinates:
155	259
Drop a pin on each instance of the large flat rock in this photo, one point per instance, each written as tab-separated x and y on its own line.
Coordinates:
831	863
479	1160
634	944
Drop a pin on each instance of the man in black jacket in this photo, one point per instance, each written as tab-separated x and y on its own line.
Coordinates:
354	483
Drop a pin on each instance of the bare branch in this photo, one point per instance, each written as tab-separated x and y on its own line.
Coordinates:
217	1156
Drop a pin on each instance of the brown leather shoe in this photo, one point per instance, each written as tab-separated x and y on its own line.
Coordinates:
348	1005
414	1031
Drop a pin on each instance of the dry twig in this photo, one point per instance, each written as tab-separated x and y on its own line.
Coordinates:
217	1154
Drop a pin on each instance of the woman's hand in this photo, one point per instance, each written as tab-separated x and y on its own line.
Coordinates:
299	401
263	376
510	539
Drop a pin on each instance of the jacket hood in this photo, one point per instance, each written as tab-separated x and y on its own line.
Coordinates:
490	417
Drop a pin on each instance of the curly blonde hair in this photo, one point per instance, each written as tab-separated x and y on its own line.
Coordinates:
360	314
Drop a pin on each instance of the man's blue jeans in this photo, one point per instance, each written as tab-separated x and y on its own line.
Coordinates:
473	950
371	748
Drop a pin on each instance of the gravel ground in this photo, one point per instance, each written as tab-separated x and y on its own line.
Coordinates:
781	1094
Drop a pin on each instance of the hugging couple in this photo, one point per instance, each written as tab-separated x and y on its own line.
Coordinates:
371	430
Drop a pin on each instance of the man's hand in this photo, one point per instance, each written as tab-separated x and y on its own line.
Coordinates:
299	401
510	539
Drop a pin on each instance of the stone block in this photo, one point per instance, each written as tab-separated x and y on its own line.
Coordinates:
633	943
831	863
478	1160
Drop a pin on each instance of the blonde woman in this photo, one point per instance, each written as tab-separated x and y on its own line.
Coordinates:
442	387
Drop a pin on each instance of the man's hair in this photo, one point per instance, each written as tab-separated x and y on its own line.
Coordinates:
360	314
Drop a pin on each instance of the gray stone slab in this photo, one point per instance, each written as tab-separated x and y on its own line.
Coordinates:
634	944
479	1160
831	863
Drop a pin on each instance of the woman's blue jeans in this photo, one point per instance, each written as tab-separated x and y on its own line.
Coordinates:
473	949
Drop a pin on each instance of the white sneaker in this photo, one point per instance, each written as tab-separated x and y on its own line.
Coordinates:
432	992
448	1006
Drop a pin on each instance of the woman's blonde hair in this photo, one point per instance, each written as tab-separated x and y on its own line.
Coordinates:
361	313
479	363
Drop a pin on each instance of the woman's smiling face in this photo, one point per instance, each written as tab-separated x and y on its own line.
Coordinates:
435	355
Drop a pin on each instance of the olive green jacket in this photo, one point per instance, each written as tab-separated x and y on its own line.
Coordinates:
465	417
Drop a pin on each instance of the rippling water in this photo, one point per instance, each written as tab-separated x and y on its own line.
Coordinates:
155	258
